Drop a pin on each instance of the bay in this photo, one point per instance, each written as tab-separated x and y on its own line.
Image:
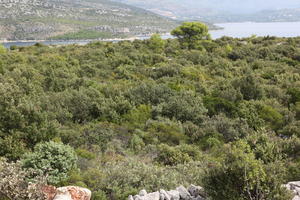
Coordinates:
247	29
237	30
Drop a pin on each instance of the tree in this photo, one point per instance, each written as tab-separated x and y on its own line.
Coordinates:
156	43
53	160
190	34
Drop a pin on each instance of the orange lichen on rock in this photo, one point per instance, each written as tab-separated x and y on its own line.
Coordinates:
67	193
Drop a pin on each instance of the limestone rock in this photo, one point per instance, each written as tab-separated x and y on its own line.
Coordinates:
174	194
296	197
137	197
183	193
164	195
130	197
143	193
150	196
62	194
49	191
198	198
295	188
195	191
67	193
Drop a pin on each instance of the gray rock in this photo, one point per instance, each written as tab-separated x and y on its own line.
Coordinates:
294	185
296	198
183	193
137	197
130	197
143	193
174	194
151	196
163	195
198	198
295	188
195	191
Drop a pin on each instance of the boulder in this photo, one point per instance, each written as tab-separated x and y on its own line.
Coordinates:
130	197
49	191
163	195
195	191
67	193
137	197
295	188
174	194
296	197
143	193
62	194
198	198
150	196
183	193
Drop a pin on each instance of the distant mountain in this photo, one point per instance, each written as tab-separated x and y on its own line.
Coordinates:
216	10
76	19
278	15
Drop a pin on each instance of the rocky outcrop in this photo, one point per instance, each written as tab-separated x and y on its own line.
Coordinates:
181	193
67	193
294	187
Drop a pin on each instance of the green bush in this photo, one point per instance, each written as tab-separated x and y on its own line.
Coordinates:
271	116
216	105
99	195
53	160
2	49
184	107
138	117
156	43
128	177
181	154
294	95
164	131
241	176
171	156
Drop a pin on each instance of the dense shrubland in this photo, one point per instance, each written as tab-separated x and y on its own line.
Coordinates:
224	114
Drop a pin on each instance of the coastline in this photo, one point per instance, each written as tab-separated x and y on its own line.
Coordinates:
136	37
84	40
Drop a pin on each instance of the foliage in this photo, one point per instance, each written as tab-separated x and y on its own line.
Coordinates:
155	114
190	34
182	154
242	176
2	49
120	179
14	184
184	107
156	43
53	160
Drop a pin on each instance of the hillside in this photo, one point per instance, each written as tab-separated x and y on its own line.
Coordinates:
221	10
80	19
151	114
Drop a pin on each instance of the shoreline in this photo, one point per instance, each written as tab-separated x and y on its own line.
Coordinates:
82	40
